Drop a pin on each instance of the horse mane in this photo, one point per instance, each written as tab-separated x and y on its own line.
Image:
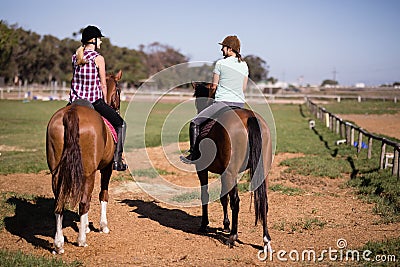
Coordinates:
110	74
201	89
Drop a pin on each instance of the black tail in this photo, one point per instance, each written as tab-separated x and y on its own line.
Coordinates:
67	177
256	166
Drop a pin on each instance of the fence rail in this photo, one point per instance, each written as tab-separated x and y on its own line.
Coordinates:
348	131
61	91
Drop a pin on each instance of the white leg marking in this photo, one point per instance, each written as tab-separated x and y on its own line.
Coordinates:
59	237
83	229
267	251
103	218
268	247
267	244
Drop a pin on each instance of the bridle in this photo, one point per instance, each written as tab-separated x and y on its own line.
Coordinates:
115	96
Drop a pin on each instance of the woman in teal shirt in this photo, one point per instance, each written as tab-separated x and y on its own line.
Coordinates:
230	80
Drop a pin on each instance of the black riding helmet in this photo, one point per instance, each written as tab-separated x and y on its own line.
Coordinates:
89	33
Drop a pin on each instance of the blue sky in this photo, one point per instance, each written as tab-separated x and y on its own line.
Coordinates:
301	40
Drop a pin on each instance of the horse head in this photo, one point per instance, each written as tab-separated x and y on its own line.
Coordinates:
204	95
113	90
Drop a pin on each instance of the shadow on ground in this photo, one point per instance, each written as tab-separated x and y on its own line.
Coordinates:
178	220
35	218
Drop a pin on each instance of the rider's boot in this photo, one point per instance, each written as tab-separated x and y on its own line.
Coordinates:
118	164
194	131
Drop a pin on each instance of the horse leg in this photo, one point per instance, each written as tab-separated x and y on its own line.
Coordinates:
226	222
84	206
266	236
103	196
234	203
59	237
203	176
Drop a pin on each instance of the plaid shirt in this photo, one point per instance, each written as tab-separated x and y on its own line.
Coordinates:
85	82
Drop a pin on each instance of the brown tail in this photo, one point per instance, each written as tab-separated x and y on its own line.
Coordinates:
257	169
67	177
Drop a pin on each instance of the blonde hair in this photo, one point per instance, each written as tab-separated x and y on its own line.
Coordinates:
79	56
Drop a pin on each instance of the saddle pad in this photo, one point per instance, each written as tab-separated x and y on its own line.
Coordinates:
112	129
206	127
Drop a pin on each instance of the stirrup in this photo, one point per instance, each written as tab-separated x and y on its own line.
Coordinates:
119	166
188	159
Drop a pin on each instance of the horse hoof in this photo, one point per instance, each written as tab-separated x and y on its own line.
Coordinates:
58	251
231	241
82	244
105	230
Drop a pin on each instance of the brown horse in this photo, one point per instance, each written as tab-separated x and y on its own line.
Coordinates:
78	143
242	141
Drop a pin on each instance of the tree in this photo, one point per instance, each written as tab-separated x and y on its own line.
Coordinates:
159	56
272	80
329	83
129	61
25	55
8	40
48	59
258	68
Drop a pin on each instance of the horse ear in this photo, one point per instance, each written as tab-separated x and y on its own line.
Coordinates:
193	85
118	76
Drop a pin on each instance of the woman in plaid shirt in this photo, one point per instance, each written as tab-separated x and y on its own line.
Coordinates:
89	83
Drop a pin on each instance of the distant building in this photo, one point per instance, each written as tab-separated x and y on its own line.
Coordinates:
360	85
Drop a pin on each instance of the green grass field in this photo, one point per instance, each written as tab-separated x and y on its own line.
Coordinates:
23	129
17	258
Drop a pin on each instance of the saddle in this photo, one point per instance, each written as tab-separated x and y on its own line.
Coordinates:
206	126
86	103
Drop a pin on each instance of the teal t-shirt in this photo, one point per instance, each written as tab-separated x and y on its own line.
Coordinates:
231	77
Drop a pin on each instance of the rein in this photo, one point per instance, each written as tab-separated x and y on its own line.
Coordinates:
114	103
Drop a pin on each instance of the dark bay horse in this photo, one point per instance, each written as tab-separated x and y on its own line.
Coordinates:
78	143
243	141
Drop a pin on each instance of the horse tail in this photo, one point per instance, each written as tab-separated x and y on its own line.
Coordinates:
256	167
67	177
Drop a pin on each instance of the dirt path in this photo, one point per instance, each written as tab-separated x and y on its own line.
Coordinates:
387	124
145	232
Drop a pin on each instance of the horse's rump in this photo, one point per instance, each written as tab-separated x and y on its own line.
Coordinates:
95	138
86	103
